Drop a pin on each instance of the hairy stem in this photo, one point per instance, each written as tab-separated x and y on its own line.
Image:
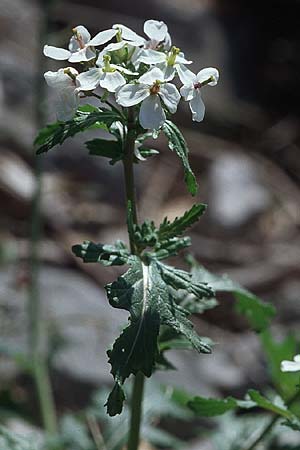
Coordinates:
138	387
39	363
271	424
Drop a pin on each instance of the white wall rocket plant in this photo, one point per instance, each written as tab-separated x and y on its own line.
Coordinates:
139	82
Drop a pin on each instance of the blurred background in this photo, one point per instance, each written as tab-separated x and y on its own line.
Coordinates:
245	156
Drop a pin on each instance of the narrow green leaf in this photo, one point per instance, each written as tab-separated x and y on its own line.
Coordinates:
258	313
269	405
210	407
108	255
56	133
180	224
178	145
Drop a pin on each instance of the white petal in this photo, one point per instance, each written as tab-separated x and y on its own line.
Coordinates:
66	105
84	54
170	96
181	59
186	76
187	91
131	94
84	33
109	48
150	56
297	358
123	70
150	77
197	107
206	73
129	35
73	45
168	71
290	366
112	81
59	80
151	115
56	52
89	80
167	42
155	30
102	37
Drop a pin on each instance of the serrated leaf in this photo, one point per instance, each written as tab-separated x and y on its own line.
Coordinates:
145	290
108	255
177	144
258	313
180	224
56	133
170	247
108	149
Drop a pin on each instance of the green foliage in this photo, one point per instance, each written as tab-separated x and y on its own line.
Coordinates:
275	352
169	229
85	118
258	313
178	145
158	404
276	406
107	255
146	291
165	240
209	407
108	149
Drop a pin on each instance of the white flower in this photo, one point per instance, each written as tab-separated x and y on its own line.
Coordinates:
108	76
191	90
80	45
156	31
170	63
149	89
291	366
64	81
129	36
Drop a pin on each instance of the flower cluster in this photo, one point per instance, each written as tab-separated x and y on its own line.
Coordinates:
136	70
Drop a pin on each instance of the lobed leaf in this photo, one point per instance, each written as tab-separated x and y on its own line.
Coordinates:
178	145
56	133
108	255
180	224
146	291
108	149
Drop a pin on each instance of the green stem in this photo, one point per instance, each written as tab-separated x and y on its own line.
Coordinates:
138	386
136	412
271	424
39	362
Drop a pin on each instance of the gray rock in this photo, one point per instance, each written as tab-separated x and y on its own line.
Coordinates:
237	194
76	309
